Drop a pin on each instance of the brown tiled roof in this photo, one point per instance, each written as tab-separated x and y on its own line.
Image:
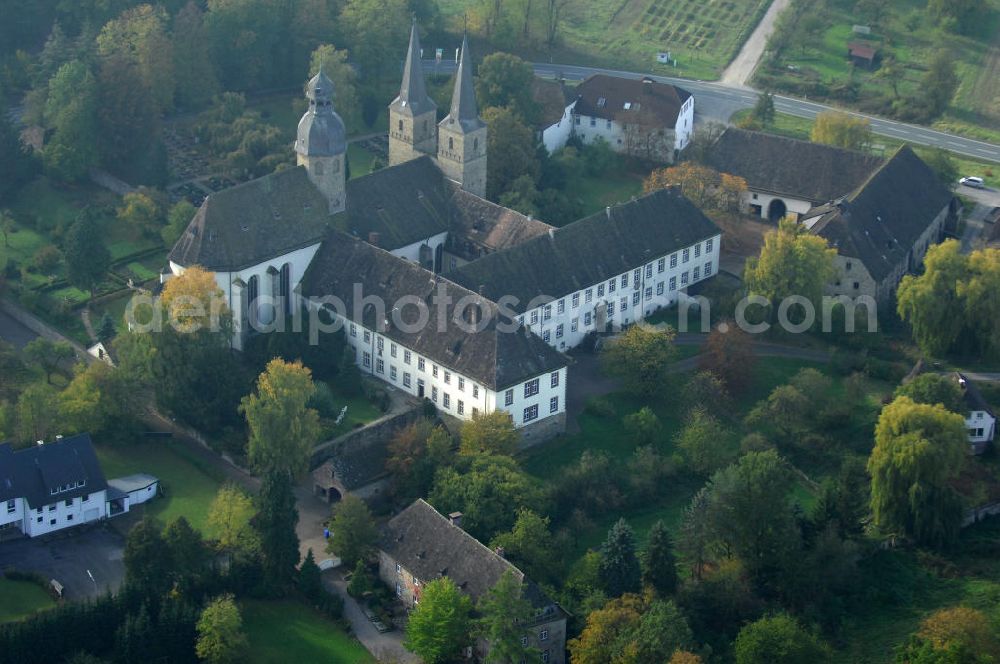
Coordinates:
650	103
800	169
494	358
430	546
488	225
251	222
881	220
590	250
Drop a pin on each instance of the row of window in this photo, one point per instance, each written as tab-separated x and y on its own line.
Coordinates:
531	388
531	412
407	359
67	487
612	285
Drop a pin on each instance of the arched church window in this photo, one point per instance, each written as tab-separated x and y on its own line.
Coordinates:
285	288
253	290
400	125
451	143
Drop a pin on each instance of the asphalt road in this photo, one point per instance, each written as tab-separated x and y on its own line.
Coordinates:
716	101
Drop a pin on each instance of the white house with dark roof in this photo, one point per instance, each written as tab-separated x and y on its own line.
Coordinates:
980	422
57	485
637	116
420	227
419	545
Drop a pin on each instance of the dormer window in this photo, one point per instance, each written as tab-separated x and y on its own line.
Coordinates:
602	102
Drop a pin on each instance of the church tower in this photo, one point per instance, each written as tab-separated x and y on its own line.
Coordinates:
321	144
462	135
412	115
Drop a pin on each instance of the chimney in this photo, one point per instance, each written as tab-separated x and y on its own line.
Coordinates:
456	519
373	238
607	211
552	233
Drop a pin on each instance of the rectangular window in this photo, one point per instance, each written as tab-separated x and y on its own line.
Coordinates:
649	271
684	279
475	391
447	378
380	344
434	370
708	245
696	273
587	318
593	122
624	281
368	337
69	517
520	321
52	522
661	265
52	508
508	397
406	357
545	657
354	330
576	300
11	506
685	255
461	407
379	366
611	285
600	290
546	336
659	288
588	295
708	268
38	520
673	260
86	497
697	250
561	306
623	304
524	642
398	568
547	312
610	309
392	350
543	635
534	317
554	379
531	388
531	413
407	379
554	405
649	292
367	359
447	400
392	372
461	384
421	364
559	331
848	265
635	298
636	274
574	325
434	394
673	283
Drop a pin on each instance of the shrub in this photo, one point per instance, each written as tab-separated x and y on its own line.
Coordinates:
600	406
323	401
46	258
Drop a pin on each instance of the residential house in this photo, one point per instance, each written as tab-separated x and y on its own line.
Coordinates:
882	229
637	116
57	485
419	545
786	176
980	421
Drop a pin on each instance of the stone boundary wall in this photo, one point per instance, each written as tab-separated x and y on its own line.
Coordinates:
977	514
370	434
40	327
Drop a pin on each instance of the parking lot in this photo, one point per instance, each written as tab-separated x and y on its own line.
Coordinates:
67	556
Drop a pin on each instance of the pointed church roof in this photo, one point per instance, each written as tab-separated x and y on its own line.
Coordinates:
463	100
413	99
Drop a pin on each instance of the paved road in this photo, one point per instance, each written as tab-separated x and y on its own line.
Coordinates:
718	101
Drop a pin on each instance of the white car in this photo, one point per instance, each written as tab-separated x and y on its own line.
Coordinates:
974	182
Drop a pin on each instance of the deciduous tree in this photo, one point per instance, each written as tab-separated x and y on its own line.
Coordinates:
699	183
178	218
511	144
439	627
643	425
841	130
229	519
48	355
489	433
196	82
221	639
919	449
930	302
778	639
505	81
528	545
704	442
504	611
415	454
729	356
38	413
283	429
353	531
932	389
639	356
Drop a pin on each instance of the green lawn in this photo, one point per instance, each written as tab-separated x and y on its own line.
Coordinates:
115	308
360	411
702	36
911	38
598	192
188	485
288	631
20	599
360	160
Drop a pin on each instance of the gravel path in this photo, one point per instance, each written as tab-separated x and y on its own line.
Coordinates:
740	70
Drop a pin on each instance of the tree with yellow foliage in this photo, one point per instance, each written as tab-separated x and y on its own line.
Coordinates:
193	301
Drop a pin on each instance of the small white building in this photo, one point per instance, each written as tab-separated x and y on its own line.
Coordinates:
133	490
980	421
57	485
636	116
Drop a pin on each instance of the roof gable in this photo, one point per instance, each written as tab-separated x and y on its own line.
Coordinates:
588	251
800	169
630	100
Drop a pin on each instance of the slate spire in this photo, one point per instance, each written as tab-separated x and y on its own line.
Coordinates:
463	99
412	92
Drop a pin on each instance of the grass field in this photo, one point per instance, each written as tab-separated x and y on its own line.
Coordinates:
188	486
702	36
20	599
288	631
360	411
910	37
